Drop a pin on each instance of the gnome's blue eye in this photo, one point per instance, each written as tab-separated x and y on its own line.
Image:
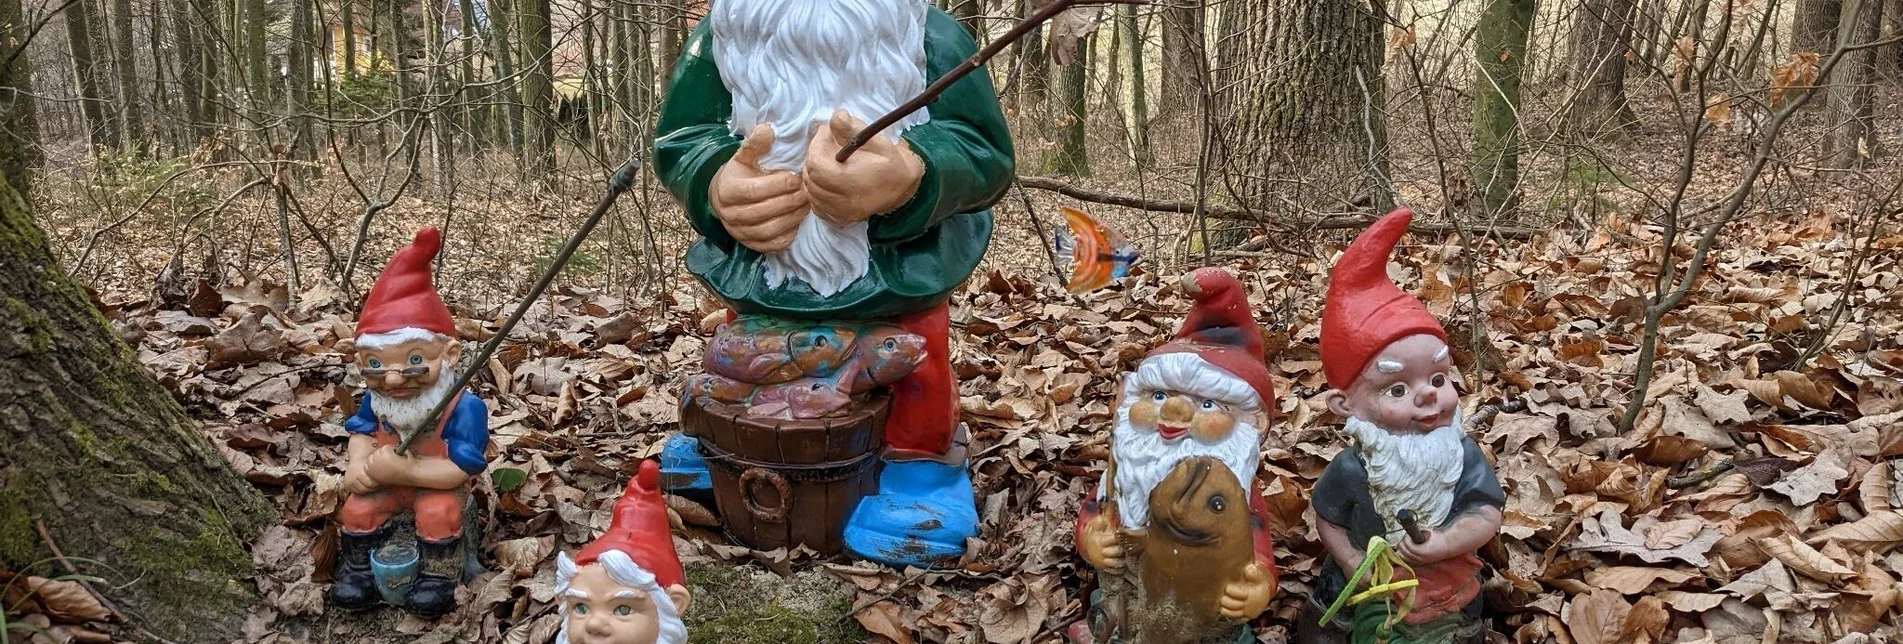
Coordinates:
1209	405
376	364
416	359
1159	396
581	609
624	610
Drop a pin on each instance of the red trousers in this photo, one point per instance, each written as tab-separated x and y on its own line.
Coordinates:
439	513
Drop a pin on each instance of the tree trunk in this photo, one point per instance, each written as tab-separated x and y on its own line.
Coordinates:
192	72
1139	87
258	84
131	120
537	87
103	456
673	22
304	41
1308	125
1500	50
440	119
1600	37
1814	28
1182	88
475	117
594	97
79	39
349	11
1890	57
1071	156
1688	66
19	114
1852	139
509	119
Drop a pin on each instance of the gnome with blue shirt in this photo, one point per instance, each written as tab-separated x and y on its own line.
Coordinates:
407	352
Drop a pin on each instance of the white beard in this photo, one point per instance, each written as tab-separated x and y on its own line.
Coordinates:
404	415
790	65
1144	459
1415	472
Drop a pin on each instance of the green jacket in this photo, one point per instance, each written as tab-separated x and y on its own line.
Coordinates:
919	253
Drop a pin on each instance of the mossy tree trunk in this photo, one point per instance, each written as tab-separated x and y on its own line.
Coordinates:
19	115
1500	50
1071	157
538	91
94	448
1133	38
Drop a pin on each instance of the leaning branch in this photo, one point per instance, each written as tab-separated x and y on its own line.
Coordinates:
1343	221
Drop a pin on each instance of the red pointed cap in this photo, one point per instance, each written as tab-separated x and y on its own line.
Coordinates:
1221	329
403	296
640	529
1365	311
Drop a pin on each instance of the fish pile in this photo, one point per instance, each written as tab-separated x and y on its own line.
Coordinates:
791	369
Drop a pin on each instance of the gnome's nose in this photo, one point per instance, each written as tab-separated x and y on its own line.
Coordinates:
599	625
1178	410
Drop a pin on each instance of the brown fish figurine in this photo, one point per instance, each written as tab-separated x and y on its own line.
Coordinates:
751	350
720	388
880	358
819	351
1198	541
801	399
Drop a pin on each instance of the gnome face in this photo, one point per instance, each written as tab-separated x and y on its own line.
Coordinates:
1173	414
1408	388
600	609
403	370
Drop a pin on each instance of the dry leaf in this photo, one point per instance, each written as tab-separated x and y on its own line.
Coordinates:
1718	110
521	556
1691	602
1646	622
66	601
1605	533
1597	618
1798	72
1879	531
1632	580
1672	534
884	619
1820	478
1804	559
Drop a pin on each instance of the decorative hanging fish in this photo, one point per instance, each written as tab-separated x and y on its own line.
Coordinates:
1098	253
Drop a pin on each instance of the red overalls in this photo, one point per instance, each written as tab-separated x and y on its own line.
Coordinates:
438	512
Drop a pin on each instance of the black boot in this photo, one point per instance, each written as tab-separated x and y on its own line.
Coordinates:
355	587
434	593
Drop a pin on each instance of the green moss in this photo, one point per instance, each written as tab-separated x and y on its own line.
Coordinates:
36	331
19	543
743	605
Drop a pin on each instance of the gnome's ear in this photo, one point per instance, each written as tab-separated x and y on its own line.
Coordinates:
681	598
1338	403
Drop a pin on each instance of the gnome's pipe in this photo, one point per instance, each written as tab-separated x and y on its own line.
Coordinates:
963	69
1413	528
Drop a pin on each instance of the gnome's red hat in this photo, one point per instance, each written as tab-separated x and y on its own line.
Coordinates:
640	529
403	296
1365	311
1222	331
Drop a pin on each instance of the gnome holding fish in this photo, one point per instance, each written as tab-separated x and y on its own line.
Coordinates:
1413	478
1177	528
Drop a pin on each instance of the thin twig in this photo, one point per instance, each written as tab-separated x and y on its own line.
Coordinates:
1037	225
68	565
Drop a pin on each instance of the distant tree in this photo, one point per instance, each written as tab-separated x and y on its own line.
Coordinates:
538	90
19	116
1500	54
79	41
1852	139
1602	35
131	119
1071	157
1133	38
1814	27
1182	88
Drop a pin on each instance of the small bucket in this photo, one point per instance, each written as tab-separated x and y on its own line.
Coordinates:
395	566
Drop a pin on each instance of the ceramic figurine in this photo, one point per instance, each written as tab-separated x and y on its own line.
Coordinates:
766	93
1177	528
626	587
404	522
1412	478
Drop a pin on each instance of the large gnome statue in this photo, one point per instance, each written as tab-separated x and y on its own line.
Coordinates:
407	352
626	587
1412	477
765	94
1179	514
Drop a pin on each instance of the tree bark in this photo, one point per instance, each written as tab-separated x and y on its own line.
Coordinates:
509	118
79	40
1814	28
1852	139
298	98
131	119
1133	35
99	453
1601	35
1182	89
1071	157
537	87
257	84
19	113
1500	50
1308	124
349	11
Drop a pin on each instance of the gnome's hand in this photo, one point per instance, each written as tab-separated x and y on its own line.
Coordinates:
1245	598
1100	547
357	478
762	210
877	179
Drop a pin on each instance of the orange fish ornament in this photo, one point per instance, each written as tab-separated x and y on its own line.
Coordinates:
1099	254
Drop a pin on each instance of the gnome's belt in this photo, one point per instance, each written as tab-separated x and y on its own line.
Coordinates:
796	473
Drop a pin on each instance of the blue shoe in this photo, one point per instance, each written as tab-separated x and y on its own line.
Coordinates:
921	517
683	471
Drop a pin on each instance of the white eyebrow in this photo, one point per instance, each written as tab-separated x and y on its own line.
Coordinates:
1388	366
576	593
1441	356
626	594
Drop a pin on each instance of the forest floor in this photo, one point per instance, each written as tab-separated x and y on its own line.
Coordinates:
1755	499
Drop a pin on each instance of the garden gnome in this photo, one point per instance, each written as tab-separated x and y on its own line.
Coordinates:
1201	400
626	587
1387	360
407	352
765	94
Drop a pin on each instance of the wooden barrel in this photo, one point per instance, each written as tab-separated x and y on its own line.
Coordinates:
783	483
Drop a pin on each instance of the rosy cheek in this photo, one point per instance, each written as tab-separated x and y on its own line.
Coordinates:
1212	426
1143	414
